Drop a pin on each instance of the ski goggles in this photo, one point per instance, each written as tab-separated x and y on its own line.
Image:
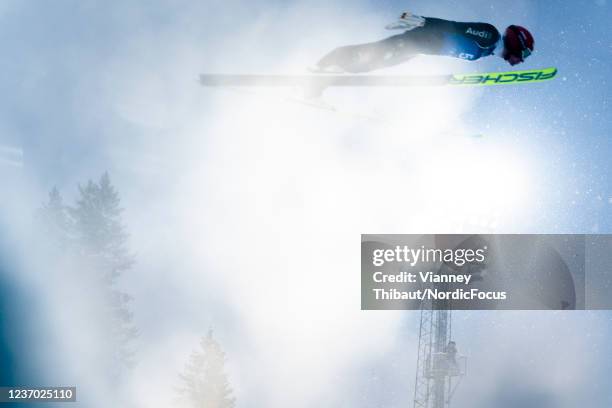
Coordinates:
525	52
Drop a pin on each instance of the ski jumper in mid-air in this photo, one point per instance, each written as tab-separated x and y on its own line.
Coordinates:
430	36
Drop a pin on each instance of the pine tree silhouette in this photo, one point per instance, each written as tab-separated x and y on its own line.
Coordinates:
54	220
92	233
204	382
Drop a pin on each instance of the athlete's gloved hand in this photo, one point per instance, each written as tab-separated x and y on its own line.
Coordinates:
407	22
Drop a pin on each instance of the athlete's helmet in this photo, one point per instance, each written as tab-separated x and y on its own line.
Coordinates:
518	44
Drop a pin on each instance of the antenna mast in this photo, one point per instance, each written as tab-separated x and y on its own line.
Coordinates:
439	369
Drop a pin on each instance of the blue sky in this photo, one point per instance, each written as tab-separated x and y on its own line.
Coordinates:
91	86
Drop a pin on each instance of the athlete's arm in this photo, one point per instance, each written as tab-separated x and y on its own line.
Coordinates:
485	35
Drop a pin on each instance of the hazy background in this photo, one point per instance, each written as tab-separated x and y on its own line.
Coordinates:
245	211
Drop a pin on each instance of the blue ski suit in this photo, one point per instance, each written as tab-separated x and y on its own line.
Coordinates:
469	41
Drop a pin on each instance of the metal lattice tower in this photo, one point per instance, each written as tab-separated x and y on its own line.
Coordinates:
434	385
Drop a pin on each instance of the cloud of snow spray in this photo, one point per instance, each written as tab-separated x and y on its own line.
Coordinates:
246	212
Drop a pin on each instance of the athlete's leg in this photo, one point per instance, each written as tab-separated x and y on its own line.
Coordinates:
385	53
368	57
